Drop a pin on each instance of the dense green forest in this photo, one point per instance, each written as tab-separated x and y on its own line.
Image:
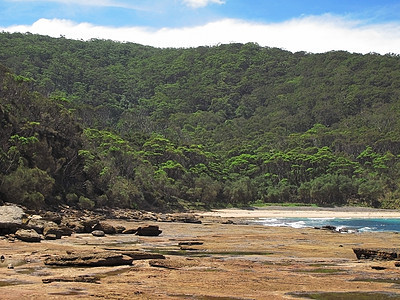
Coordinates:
100	123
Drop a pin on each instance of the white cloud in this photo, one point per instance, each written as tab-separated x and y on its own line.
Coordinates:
312	34
201	3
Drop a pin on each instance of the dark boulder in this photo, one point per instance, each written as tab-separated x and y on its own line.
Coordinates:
329	227
150	230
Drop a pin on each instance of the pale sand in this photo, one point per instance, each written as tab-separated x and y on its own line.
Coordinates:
302	212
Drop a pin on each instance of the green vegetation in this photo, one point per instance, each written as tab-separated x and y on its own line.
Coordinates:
322	271
100	123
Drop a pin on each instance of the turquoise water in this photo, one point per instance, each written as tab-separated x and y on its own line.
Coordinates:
364	224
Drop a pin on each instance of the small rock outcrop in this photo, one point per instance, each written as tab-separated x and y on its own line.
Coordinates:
101	259
187	218
377	254
28	235
106	227
150	230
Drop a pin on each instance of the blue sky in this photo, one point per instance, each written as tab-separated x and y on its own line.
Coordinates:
309	25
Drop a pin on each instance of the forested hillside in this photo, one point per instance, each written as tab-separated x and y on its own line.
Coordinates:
101	123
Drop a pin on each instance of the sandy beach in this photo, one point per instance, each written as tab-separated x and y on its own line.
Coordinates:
303	212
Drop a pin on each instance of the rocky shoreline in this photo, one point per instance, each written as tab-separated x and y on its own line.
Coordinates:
16	222
144	255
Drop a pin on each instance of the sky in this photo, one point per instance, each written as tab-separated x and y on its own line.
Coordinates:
360	26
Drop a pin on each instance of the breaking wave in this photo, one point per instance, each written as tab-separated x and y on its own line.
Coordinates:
341	224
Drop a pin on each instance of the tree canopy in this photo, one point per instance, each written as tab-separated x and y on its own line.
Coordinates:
102	123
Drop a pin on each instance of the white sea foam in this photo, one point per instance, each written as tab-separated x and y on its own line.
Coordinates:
341	224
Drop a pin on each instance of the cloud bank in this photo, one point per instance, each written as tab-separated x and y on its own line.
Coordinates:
312	34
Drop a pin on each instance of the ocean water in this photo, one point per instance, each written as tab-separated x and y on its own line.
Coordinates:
350	224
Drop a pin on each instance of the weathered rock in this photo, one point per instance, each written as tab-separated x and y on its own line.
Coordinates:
52	216
98	233
65	230
329	227
50	237
90	259
11	218
120	229
28	235
88	224
148	216
39	224
76	227
377	254
53	230
150	230
187	218
106	227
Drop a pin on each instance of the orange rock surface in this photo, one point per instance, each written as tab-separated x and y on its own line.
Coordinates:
227	261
